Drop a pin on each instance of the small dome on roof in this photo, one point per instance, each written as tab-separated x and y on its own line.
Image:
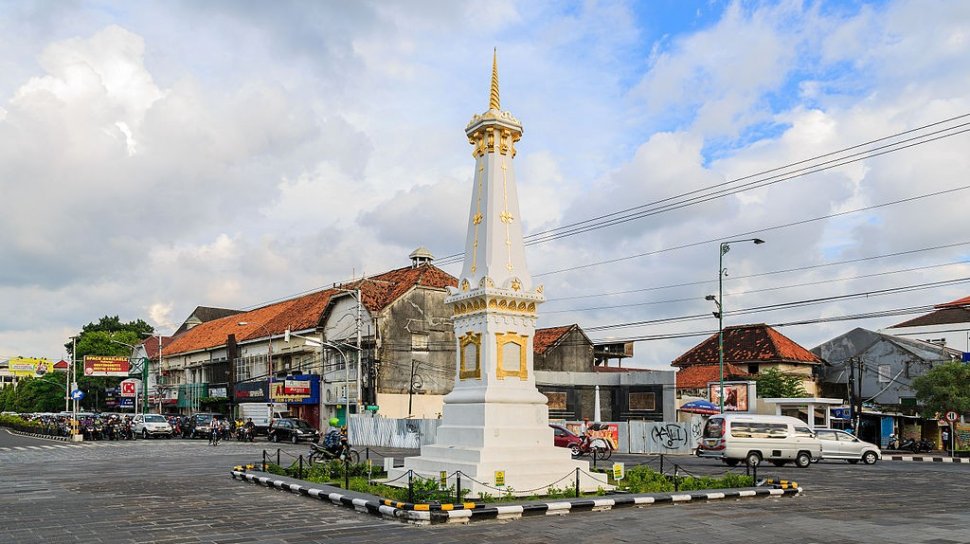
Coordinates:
421	256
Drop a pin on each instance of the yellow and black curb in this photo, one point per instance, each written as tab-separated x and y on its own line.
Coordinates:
425	514
781	484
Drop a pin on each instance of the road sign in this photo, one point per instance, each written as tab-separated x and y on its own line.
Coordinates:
951	416
77	394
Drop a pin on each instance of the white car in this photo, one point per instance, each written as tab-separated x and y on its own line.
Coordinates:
842	445
146	425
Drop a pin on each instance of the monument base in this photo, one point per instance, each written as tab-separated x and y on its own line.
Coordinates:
500	449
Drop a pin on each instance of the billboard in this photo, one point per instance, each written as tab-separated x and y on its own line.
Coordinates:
130	388
735	395
296	387
311	395
106	365
29	366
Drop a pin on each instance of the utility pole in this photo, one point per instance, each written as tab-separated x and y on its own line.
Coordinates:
359	350
851	363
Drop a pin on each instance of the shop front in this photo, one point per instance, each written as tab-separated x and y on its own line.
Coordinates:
301	394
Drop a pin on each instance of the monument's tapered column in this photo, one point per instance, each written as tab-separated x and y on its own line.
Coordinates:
495	419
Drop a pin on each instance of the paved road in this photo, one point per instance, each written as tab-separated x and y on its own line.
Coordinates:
174	491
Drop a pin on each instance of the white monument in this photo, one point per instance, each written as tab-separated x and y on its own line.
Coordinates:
495	422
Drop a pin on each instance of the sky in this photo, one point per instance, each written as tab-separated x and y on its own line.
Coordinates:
158	156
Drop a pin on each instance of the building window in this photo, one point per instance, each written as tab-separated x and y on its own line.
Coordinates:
643	401
419	342
885	373
753	368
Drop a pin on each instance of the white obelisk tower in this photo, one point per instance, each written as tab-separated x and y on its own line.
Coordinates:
495	420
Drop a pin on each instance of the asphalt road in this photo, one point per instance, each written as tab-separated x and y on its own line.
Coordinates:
175	491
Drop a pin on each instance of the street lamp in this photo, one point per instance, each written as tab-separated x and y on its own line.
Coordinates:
719	302
359	348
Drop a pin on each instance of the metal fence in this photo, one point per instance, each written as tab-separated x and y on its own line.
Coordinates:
392	433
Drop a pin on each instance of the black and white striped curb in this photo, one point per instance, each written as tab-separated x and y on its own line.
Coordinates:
373	505
40	435
926	459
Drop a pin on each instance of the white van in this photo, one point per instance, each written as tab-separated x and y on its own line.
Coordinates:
753	438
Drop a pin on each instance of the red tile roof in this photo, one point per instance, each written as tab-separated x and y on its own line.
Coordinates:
965	301
698	376
748	344
545	338
151	345
305	312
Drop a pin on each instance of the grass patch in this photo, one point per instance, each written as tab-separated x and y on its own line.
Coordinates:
638	479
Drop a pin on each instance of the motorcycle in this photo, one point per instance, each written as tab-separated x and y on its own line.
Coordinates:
925	445
893	443
245	434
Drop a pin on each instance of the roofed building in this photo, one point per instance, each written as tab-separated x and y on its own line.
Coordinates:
748	350
947	325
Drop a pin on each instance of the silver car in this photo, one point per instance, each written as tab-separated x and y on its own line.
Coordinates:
842	445
151	425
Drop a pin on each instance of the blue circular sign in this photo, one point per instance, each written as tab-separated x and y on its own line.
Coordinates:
77	394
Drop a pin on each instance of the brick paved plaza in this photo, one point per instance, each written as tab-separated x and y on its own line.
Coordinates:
176	491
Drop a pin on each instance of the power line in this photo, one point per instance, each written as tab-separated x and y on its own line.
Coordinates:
787	305
672	203
758	231
759	274
763	290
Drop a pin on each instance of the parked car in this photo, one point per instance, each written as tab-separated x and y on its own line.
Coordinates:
150	425
753	438
564	438
291	429
842	445
200	425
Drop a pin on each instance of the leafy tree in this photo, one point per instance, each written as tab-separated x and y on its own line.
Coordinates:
945	387
772	383
45	394
108	336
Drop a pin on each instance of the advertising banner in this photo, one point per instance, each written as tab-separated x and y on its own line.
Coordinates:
28	366
735	396
296	387
277	390
607	431
106	365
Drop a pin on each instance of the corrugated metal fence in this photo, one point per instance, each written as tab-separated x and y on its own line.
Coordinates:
665	437
392	433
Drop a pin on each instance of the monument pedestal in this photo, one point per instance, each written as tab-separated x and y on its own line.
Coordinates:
481	439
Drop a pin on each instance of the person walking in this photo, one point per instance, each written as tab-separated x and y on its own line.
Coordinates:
945	437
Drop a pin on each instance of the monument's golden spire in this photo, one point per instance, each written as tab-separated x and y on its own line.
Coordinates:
493	103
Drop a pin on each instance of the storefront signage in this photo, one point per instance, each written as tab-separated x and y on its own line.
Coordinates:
296	387
218	392
278	391
735	396
106	365
250	391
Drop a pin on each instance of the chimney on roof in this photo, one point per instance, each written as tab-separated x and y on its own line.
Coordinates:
421	256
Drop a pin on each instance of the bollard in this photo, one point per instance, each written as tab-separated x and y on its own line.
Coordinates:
577	482
367	453
346	472
411	486
754	471
264	460
661	463
676	477
301	468
458	488
278	457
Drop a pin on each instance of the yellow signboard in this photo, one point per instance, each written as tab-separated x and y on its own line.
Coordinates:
499	478
29	366
443	478
618	471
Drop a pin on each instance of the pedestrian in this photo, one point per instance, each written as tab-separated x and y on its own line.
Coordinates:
945	436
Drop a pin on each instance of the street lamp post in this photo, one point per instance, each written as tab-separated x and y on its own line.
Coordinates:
719	302
356	294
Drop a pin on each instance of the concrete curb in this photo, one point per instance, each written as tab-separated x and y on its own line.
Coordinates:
927	459
373	505
39	435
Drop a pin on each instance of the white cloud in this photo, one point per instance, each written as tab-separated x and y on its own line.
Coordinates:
147	169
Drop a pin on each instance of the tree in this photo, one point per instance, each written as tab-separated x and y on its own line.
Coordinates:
106	337
945	387
773	384
44	394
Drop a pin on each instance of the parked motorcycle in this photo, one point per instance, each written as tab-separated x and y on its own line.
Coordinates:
893	443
